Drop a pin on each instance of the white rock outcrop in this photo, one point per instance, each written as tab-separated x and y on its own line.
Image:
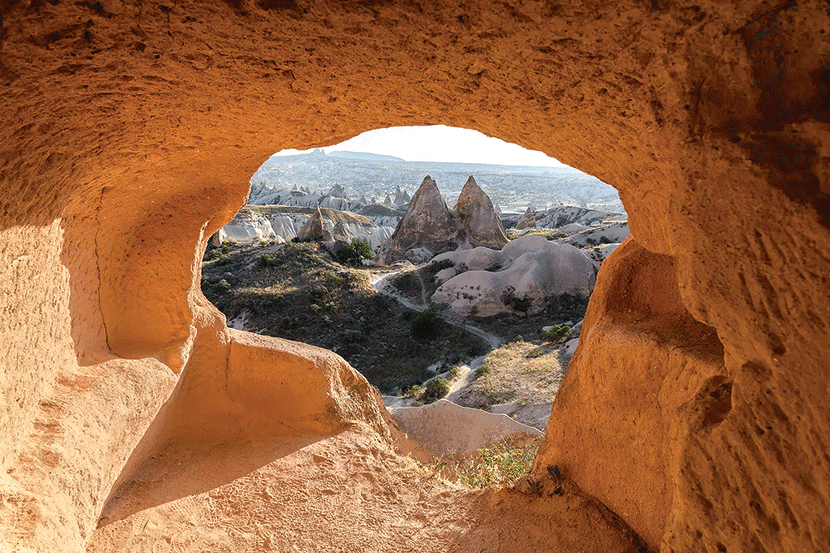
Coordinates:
538	271
449	429
249	226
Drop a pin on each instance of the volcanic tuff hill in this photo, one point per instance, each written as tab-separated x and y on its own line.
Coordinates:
429	225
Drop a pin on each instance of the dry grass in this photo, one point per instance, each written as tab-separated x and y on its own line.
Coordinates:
518	372
502	464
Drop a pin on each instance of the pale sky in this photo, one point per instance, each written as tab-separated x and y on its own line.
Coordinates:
440	143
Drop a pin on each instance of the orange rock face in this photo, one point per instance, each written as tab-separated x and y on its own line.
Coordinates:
696	405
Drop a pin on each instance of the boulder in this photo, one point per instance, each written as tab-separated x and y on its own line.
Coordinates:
551	271
249	226
449	429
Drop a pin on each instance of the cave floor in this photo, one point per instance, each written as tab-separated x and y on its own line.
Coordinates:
343	493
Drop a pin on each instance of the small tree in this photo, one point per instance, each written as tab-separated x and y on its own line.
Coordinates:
436	389
426	325
354	252
522	304
557	333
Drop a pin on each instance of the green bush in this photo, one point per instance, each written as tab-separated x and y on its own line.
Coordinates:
426	325
268	260
559	333
522	304
354	253
483	370
436	388
219	252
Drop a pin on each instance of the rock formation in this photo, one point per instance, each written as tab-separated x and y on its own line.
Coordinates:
131	132
427	223
399	197
249	226
533	268
337	191
479	222
449	429
527	220
314	230
430	227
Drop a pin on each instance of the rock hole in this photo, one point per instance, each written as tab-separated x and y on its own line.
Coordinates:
716	400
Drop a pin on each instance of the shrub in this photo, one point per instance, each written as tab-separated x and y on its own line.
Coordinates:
436	388
268	260
604	240
219	252
354	252
483	370
426	325
558	333
522	304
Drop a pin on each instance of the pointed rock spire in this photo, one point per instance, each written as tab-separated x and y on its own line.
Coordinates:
314	229
337	191
527	220
427	223
480	223
399	200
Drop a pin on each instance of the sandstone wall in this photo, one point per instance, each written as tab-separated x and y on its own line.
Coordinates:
131	129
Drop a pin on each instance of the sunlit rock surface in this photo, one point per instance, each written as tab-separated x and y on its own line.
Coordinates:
534	270
131	131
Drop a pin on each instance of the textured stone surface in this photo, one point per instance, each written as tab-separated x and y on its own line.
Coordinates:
427	223
450	429
480	224
531	268
641	357
314	229
131	130
527	220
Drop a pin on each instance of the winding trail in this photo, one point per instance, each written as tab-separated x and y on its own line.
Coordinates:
380	282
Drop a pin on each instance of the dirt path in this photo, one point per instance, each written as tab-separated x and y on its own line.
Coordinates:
380	282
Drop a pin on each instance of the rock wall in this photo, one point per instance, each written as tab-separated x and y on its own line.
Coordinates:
132	128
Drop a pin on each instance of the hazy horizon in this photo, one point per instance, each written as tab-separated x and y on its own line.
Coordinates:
439	144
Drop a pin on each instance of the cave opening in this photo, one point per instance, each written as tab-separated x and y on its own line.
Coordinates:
465	318
693	410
